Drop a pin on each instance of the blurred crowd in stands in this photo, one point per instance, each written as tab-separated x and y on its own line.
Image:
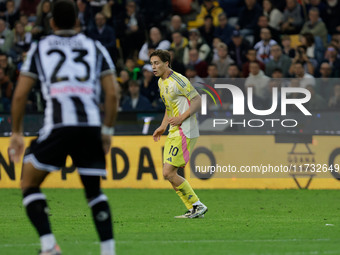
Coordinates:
256	40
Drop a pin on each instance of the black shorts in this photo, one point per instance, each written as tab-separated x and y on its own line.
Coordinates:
83	144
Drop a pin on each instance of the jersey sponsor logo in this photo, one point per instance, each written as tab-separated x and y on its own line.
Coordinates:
71	90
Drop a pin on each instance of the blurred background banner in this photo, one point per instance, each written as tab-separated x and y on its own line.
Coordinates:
136	162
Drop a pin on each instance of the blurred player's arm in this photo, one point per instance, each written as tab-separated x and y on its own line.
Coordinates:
22	90
195	105
159	131
110	87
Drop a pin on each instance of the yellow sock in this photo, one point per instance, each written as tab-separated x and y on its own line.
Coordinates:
188	192
187	204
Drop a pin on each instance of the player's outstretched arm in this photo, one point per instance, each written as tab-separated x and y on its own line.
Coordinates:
195	105
159	131
23	88
110	87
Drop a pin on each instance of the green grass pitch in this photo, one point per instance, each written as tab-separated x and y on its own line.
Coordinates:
249	222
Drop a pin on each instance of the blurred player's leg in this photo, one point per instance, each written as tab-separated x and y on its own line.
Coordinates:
37	209
100	212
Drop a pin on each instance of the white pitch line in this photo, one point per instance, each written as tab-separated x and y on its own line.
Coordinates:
19	244
188	241
223	241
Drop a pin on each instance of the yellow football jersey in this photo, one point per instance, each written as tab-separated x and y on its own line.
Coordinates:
176	92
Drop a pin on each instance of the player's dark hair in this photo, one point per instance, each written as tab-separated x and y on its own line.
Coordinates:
64	14
164	55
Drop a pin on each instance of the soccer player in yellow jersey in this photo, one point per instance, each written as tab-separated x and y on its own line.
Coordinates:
182	102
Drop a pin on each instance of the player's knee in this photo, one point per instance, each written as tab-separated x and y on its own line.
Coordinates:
168	175
92	186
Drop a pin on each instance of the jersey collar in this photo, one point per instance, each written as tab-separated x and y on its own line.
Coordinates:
65	32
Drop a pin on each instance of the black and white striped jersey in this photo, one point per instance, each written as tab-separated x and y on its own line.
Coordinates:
69	68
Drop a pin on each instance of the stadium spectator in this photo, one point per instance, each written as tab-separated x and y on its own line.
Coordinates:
331	56
223	61
334	102
315	25
319	4
238	48
309	64
132	69
212	73
287	46
325	84
123	80
332	16
113	11
96	6
178	45
216	42
207	30
176	25
104	34
278	60
224	31
191	74
316	101
335	41
136	101
314	46
29	8
155	42
84	15
263	23
42	23
263	47
149	85
6	37
154	12
209	7
275	16
11	15
292	18
304	78
200	65
248	17
196	42
251	56
259	82
176	65
9	67
234	72
130	30
277	73
6	91
22	41
231	7
24	21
